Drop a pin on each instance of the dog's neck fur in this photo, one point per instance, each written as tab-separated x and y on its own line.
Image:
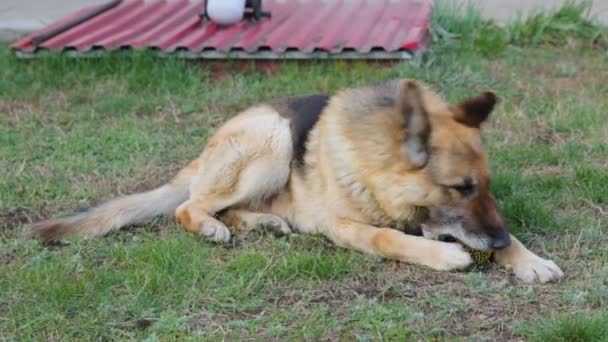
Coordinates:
351	153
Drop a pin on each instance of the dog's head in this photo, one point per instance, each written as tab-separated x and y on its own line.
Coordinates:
444	143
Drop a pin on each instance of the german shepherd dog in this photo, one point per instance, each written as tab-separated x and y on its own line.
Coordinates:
388	169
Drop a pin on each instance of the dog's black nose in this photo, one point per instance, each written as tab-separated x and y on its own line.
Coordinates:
446	238
502	241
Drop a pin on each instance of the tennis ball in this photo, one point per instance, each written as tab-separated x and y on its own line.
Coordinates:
480	257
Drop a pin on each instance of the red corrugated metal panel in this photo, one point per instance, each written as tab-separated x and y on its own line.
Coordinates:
358	27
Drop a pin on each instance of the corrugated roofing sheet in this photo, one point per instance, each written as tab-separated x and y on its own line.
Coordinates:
297	29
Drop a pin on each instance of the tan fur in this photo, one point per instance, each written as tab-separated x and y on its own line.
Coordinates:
379	161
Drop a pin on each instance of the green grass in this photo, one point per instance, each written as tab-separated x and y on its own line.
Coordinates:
571	21
570	328
76	132
460	24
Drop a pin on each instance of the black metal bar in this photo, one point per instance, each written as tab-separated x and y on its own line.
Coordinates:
204	14
255	13
77	21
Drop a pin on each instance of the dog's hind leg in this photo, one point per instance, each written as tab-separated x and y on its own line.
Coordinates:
245	220
243	165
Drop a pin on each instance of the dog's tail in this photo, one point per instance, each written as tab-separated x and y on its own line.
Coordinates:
116	213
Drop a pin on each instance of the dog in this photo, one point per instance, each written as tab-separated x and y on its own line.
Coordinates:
389	169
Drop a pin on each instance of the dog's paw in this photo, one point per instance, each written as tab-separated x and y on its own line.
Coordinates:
452	256
274	224
215	230
533	268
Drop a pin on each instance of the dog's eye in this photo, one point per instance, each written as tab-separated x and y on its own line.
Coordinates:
465	190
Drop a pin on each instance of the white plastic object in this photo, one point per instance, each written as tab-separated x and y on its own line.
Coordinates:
226	12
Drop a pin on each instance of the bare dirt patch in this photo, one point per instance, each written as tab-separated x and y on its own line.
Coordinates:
14	218
15	109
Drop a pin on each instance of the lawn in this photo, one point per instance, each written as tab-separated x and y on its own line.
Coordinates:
76	132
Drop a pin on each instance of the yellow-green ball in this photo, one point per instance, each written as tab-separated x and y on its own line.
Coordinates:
480	257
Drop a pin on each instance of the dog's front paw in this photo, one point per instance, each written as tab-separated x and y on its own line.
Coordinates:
533	268
451	256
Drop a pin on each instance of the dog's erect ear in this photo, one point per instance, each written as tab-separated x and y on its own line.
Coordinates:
417	124
472	112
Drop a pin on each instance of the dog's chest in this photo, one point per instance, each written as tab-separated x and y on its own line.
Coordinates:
409	225
363	201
